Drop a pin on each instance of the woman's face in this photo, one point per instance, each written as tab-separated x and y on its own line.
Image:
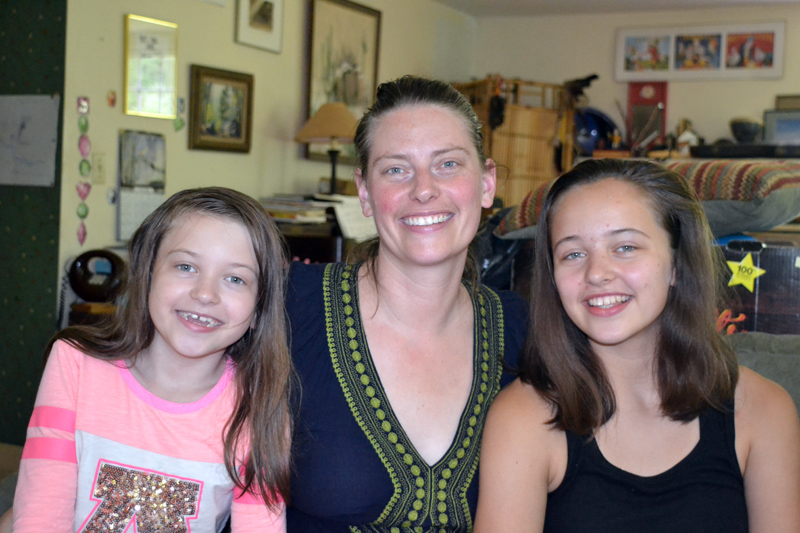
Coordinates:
425	185
612	263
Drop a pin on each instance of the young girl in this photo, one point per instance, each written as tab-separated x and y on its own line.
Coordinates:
631	413
130	418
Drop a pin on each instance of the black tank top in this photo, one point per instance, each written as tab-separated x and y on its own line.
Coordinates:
704	492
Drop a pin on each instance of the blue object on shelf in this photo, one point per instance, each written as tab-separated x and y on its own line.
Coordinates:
591	125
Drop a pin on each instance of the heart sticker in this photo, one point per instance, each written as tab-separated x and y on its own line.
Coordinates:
84	188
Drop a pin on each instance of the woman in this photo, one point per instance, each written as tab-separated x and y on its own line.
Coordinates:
631	413
400	354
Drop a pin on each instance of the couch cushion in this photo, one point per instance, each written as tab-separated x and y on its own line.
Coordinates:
737	196
776	357
744	195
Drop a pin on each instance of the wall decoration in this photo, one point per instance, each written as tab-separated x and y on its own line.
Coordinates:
220	110
142	159
700	53
28	139
151	49
259	23
343	61
142	177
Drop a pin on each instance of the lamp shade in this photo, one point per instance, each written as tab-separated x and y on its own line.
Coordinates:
332	122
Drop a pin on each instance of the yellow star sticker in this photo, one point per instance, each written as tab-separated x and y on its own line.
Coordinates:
744	273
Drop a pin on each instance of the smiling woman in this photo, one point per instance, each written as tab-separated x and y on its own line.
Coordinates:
631	413
403	348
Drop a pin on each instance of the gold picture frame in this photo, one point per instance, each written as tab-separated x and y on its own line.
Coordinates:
151	67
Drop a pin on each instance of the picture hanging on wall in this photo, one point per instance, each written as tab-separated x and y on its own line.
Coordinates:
259	23
700	52
151	49
343	61
221	110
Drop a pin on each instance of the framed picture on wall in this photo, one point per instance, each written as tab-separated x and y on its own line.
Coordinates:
220	110
700	52
151	50
343	61
259	23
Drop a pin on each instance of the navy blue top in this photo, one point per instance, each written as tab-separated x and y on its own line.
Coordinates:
704	492
354	467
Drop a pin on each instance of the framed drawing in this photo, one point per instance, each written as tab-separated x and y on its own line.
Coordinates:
151	50
343	61
259	23
221	110
700	53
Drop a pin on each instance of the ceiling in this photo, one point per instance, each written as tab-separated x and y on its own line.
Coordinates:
504	8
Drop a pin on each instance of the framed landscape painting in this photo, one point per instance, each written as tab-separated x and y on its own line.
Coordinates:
221	110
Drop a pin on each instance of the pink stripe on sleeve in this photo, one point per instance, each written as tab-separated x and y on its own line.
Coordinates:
246	497
49	448
53	417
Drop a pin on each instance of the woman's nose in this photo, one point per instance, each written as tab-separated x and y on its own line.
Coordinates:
599	268
205	290
425	186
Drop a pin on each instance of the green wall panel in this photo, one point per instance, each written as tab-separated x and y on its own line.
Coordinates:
32	47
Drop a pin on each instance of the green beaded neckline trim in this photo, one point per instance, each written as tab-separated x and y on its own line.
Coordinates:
425	498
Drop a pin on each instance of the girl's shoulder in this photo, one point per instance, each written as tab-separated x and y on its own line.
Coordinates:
521	405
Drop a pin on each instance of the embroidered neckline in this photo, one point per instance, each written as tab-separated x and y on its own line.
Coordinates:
432	496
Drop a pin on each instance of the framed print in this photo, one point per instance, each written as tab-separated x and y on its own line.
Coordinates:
700	53
259	23
151	50
221	110
343	61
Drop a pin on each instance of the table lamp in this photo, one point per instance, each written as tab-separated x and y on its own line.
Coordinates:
332	124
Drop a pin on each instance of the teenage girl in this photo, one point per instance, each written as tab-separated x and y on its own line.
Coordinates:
174	415
631	413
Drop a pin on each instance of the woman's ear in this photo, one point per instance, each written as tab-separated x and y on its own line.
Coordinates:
363	193
489	183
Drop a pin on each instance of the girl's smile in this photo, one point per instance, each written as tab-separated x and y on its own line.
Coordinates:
203	294
612	262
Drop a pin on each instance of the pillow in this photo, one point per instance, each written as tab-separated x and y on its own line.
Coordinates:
520	222
744	195
737	196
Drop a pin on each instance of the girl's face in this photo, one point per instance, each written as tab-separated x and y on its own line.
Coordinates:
204	287
612	263
425	185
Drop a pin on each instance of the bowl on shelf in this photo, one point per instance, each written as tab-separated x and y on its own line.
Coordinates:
745	130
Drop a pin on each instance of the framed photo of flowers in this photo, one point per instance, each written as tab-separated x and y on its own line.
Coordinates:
343	61
700	52
221	110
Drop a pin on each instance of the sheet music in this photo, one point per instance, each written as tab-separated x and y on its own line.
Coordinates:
352	222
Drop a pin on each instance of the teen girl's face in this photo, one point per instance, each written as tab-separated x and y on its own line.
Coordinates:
425	185
204	287
612	264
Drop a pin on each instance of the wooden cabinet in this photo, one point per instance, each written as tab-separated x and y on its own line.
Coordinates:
534	138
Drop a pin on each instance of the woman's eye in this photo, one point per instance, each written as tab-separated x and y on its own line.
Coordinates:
185	268
394	170
236	279
573	255
450	164
627	248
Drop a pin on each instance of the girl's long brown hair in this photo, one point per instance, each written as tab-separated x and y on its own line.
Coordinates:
260	425
694	367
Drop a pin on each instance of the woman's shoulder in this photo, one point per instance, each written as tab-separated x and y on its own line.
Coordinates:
760	399
521	405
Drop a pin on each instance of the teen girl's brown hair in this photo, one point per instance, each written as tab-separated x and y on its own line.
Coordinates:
261	421
694	367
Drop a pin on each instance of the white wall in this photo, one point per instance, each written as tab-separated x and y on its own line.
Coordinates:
417	36
558	48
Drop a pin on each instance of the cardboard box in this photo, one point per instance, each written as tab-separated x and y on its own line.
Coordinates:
765	281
